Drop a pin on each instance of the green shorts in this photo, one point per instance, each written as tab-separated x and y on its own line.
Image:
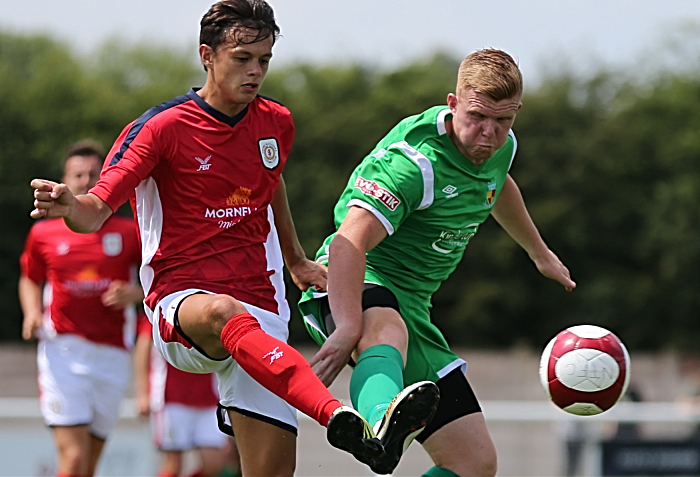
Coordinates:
429	356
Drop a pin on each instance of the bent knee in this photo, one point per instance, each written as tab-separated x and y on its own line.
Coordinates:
384	326
220	308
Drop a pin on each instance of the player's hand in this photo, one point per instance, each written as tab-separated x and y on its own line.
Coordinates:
306	273
551	267
120	294
51	199
334	355
31	326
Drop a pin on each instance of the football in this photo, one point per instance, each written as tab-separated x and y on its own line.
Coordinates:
585	370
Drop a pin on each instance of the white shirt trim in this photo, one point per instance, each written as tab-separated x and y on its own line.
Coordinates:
457	363
385	222
441	121
515	147
311	321
426	169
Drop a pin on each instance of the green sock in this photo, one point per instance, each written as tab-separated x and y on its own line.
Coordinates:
439	472
376	380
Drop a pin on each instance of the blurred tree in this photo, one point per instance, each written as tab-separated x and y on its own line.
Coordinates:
52	98
608	165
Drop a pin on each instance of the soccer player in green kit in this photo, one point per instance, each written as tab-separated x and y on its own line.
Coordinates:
403	223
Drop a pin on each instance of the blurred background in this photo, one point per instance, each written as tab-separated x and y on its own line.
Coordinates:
608	160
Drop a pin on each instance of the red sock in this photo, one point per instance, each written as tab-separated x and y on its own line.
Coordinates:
278	367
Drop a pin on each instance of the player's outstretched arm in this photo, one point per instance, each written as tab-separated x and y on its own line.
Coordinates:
510	212
359	233
82	213
304	272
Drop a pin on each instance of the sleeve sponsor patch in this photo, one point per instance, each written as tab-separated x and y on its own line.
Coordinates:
368	187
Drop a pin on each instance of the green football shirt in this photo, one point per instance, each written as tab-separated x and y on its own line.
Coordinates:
429	197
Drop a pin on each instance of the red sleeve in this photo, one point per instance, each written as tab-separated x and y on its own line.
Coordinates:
144	327
32	262
287	138
131	159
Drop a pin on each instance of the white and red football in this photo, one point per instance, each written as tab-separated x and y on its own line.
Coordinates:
585	370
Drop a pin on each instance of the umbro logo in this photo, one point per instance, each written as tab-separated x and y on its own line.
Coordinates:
203	163
274	354
450	190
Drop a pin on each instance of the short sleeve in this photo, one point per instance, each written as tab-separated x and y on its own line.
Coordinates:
131	159
143	326
32	262
388	184
287	136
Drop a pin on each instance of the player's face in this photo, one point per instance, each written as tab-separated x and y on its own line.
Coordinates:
480	125
235	73
81	173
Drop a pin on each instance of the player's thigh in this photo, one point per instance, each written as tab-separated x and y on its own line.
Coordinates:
429	356
172	344
383	325
201	318
265	449
382	322
464	446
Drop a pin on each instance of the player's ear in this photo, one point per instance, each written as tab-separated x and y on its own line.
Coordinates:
452	102
206	55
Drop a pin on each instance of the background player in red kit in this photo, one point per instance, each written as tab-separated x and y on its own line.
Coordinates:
182	408
203	173
75	290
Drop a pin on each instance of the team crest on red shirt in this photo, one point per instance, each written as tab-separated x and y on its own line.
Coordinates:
112	244
270	152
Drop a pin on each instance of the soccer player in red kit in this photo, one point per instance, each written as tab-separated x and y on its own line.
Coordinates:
77	293
203	172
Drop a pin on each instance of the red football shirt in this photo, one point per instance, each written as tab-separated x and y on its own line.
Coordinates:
77	269
167	384
200	184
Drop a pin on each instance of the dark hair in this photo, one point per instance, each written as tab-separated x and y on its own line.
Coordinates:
85	148
225	18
